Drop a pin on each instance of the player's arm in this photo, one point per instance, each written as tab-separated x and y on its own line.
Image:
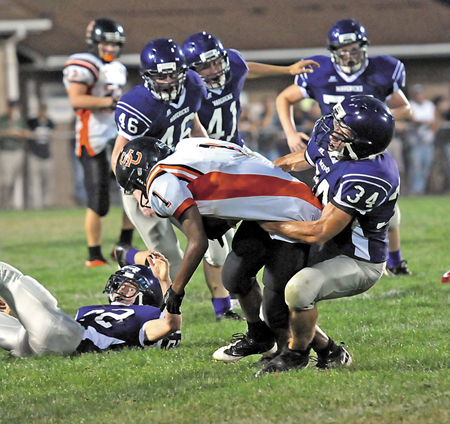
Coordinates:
197	244
80	99
119	144
160	328
197	128
293	162
331	223
285	101
257	70
399	105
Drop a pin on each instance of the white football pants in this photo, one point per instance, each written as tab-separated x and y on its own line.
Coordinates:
40	327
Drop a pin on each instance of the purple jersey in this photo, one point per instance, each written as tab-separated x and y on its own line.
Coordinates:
365	189
382	76
139	113
114	326
220	111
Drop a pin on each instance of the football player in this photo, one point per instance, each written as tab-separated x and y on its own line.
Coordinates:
357	181
165	106
209	185
346	72
36	325
224	72
94	84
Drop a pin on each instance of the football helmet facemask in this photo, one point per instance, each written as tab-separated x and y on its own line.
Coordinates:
203	51
163	68
147	287
363	123
136	160
105	31
344	33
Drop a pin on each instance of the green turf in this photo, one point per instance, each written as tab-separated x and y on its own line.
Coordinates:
397	333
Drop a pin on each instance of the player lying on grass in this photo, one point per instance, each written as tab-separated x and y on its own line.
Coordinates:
32	323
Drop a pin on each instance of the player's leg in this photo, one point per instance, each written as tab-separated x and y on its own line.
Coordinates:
96	173
212	267
48	328
239	276
395	264
284	261
331	279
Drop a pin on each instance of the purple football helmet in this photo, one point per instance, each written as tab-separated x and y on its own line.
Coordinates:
147	285
163	68
363	123
342	34
203	50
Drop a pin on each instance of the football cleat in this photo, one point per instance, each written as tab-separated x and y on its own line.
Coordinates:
95	262
287	360
333	359
400	269
120	252
241	346
446	277
229	314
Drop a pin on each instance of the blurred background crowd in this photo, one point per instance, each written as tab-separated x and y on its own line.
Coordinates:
38	168
421	147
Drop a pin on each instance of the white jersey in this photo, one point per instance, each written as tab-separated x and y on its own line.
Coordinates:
95	128
225	182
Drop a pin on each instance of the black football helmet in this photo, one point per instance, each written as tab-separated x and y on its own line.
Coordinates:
343	33
163	68
104	31
147	285
363	123
200	50
136	160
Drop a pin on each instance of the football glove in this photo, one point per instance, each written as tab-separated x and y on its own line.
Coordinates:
172	301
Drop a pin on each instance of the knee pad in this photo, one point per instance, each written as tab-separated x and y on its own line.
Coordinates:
216	254
237	278
302	289
100	207
395	220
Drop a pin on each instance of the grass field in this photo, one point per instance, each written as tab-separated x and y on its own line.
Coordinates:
397	333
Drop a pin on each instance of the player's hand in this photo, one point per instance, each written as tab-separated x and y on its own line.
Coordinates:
5	308
297	141
159	265
303	67
172	301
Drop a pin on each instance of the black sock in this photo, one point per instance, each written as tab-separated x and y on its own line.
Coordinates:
330	347
95	252
260	331
126	237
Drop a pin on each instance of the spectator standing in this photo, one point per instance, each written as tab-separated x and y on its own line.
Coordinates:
40	164
13	135
421	137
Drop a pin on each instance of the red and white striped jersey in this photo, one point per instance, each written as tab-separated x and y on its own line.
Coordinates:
224	182
95	128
